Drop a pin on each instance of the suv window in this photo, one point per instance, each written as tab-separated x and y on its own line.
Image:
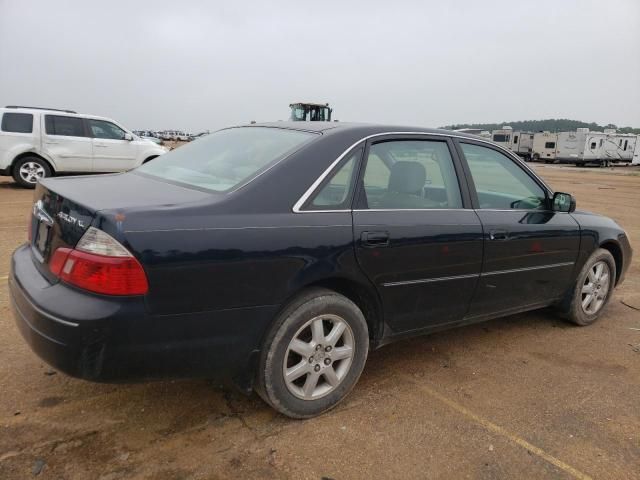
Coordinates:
500	182
411	174
103	129
66	126
336	193
17	122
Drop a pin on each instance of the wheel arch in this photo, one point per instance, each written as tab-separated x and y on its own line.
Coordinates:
614	249
366	300
31	154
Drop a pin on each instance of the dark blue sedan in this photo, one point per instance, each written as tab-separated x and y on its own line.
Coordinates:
278	255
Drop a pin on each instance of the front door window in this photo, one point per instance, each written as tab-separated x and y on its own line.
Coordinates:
500	183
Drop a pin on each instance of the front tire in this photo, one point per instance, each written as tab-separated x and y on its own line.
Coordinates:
28	170
313	354
593	288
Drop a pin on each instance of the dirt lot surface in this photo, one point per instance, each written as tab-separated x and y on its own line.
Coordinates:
527	396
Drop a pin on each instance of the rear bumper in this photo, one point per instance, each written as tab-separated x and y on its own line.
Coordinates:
111	339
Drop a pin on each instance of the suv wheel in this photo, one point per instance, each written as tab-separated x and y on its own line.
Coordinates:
313	354
593	288
28	170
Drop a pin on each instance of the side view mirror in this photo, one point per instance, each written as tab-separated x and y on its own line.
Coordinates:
128	136
563	202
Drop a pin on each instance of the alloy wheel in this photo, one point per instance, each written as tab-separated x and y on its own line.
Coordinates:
596	287
318	357
30	172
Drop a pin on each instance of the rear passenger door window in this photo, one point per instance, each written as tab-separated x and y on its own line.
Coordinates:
411	174
17	122
500	183
64	126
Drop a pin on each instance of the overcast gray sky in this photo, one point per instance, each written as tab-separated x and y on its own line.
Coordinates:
204	65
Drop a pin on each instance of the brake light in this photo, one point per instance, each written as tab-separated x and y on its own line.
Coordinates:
101	265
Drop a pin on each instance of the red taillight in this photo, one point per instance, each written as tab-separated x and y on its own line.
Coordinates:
99	273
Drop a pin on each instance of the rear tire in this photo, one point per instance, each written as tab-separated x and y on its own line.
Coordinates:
593	288
313	354
28	170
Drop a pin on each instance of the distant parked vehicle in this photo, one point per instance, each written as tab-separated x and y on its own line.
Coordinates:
42	142
636	152
518	142
602	148
183	137
310	112
544	147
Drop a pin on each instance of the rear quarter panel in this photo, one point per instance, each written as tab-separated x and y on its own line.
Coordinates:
238	261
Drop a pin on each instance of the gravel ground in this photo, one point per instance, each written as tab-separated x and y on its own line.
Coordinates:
527	396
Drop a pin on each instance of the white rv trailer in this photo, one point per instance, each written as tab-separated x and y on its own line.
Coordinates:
619	147
523	144
502	137
518	142
544	146
583	146
636	152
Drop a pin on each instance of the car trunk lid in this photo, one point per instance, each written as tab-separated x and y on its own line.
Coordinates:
64	208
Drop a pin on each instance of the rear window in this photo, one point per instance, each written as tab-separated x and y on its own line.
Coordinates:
226	159
17	122
65	126
500	138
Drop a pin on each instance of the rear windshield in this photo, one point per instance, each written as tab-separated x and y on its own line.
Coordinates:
226	159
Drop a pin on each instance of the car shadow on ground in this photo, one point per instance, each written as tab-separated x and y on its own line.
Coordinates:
12	186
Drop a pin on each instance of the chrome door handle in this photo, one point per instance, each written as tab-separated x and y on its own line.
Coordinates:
498	235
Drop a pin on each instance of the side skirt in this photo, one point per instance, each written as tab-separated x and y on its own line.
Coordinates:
468	320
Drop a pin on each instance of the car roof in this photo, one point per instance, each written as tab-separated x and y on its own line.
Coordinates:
364	128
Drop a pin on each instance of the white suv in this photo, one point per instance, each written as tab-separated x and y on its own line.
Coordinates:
39	142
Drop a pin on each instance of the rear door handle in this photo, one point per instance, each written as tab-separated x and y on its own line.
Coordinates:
498	235
375	239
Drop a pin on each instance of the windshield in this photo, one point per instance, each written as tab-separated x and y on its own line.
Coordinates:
226	159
